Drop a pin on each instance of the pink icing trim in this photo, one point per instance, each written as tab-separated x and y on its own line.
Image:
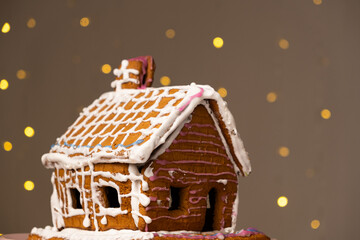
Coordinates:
178	217
200	125
245	233
200	207
199	134
153	198
192	173
195	191
153	178
144	61
165	162
198	199
199	94
197	141
160	189
155	207
197	151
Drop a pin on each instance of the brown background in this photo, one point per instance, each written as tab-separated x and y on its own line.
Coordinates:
319	70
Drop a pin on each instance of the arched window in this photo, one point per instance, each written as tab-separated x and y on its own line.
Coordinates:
210	211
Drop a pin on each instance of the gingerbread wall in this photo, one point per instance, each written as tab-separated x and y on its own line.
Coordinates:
102	177
195	163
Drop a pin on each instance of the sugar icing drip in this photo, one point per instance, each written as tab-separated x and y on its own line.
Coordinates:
61	209
104	220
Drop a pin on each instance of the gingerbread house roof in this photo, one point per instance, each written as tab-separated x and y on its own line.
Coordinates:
127	125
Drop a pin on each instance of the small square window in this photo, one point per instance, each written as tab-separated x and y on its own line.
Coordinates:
175	198
75	198
110	197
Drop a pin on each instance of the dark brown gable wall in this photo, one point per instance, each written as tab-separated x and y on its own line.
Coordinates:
195	163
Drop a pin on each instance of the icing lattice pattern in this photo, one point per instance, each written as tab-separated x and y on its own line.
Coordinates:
118	121
127	125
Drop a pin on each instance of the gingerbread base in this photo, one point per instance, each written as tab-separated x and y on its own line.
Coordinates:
75	234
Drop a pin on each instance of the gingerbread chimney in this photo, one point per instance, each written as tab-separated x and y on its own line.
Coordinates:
134	73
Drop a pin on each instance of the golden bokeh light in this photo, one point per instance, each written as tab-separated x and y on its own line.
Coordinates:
29	185
218	42
325	114
271	97
222	92
284	151
29	131
315	224
284	44
106	68
7	146
170	33
282	201
4	84
5	28
31	23
165	80
317	2
21	74
84	22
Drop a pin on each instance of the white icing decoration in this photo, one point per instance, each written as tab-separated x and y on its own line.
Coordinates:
104	220
77	234
126	75
223	181
169	117
171	173
57	218
149	171
114	179
158	202
86	221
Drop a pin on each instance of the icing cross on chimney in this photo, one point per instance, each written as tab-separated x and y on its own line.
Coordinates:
134	73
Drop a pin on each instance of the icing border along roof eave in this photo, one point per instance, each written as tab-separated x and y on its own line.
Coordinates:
228	119
140	153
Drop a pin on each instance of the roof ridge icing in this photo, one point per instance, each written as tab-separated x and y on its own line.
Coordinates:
128	124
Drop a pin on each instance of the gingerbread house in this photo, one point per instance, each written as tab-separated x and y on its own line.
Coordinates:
148	159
